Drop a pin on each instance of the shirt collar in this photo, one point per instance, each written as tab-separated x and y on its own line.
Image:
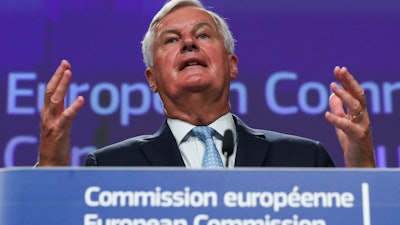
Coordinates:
180	128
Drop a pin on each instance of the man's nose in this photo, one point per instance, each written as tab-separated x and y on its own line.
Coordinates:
189	45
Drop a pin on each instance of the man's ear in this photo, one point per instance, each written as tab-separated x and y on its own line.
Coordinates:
150	79
233	62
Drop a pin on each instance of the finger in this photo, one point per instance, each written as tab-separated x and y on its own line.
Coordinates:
350	84
341	124
56	105
333	119
353	105
337	113
344	77
70	113
55	80
337	116
336	106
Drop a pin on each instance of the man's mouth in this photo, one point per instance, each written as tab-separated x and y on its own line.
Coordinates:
191	63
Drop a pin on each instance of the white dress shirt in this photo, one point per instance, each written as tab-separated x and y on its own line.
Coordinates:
192	149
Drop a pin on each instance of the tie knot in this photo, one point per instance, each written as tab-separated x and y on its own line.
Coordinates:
203	132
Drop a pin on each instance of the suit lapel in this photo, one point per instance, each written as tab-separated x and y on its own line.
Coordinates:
252	147
162	150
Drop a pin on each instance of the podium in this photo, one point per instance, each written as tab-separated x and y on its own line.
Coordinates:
178	196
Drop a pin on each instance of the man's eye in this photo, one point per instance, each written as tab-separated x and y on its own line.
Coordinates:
170	40
203	36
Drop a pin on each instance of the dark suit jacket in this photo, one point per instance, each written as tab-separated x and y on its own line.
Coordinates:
255	148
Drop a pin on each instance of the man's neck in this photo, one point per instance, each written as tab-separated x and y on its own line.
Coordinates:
198	117
198	110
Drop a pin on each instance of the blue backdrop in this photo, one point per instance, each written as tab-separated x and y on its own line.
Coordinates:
287	51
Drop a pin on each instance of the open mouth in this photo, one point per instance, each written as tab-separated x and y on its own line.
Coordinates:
189	63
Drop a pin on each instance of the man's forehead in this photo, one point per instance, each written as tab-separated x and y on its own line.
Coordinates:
185	16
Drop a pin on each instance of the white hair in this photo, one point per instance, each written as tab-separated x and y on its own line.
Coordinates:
148	39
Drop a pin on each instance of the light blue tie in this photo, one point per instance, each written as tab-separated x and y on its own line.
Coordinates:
211	158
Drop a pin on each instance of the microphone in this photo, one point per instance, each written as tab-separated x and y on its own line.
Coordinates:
227	145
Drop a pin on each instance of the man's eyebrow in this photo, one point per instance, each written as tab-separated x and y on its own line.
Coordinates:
169	31
176	31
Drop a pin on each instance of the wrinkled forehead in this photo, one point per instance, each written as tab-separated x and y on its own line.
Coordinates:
185	16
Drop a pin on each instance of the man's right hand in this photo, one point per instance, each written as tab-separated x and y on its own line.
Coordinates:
56	120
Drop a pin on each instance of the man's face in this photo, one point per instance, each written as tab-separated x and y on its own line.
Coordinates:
190	56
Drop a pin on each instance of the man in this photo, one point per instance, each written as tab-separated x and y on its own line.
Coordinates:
190	60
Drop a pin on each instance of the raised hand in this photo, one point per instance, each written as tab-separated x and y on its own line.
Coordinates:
56	120
350	117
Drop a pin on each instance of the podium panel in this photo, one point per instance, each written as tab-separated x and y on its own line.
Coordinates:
165	196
